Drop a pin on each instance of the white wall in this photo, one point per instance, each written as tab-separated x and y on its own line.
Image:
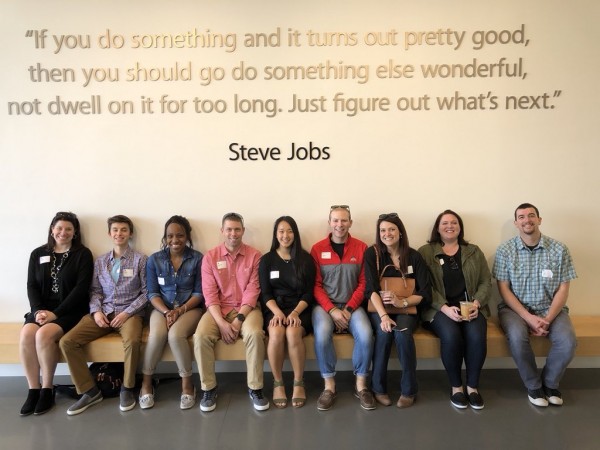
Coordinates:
481	163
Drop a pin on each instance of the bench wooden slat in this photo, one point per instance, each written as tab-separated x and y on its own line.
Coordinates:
110	348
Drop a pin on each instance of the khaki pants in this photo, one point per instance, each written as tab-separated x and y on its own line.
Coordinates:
86	331
177	336
207	334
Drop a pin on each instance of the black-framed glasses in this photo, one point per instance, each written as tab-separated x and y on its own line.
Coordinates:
346	207
233	216
388	216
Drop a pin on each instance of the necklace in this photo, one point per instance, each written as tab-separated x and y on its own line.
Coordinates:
286	258
55	271
450	249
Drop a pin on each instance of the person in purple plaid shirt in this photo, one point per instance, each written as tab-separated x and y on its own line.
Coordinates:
118	297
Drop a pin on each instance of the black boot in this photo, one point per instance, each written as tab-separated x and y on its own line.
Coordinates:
46	401
29	406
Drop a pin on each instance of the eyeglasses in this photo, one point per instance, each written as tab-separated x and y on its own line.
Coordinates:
346	207
388	216
235	216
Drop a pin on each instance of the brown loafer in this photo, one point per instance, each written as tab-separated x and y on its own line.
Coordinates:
405	402
384	399
326	400
366	399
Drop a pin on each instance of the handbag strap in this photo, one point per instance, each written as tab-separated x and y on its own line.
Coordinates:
385	268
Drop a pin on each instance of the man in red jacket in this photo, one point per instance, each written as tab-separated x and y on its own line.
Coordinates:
339	291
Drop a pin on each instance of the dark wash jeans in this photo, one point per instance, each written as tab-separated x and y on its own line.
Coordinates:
461	341
407	354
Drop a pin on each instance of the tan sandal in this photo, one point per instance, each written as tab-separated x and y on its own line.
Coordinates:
279	402
299	402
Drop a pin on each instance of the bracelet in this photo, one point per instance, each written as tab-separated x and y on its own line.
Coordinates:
383	315
329	312
293	310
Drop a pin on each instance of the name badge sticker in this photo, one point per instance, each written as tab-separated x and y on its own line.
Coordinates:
274	274
441	260
547	273
326	255
410	269
161	281
221	265
44	259
128	273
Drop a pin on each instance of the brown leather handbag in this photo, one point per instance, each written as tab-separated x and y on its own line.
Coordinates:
401	286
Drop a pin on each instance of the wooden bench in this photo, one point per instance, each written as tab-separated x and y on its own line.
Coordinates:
110	348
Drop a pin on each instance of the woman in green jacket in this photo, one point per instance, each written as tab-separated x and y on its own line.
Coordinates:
459	273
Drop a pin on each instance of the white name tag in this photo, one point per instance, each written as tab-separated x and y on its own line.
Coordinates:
325	255
161	281
221	264
410	269
128	273
547	273
441	260
274	274
44	259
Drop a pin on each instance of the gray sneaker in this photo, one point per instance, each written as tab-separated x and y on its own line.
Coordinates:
127	400
258	399
209	400
84	403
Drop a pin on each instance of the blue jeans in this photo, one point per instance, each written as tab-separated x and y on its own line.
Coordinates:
407	354
458	341
359	328
562	341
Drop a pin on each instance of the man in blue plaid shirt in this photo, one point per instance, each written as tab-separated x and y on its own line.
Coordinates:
533	273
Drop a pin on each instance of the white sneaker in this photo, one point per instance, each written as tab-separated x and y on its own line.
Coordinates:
188	401
147	400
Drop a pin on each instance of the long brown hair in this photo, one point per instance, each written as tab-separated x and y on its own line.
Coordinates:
403	244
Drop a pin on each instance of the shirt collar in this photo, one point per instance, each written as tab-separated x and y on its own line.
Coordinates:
125	255
541	243
341	243
187	252
224	252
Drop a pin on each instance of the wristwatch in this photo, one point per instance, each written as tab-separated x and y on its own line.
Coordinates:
405	303
350	309
240	317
